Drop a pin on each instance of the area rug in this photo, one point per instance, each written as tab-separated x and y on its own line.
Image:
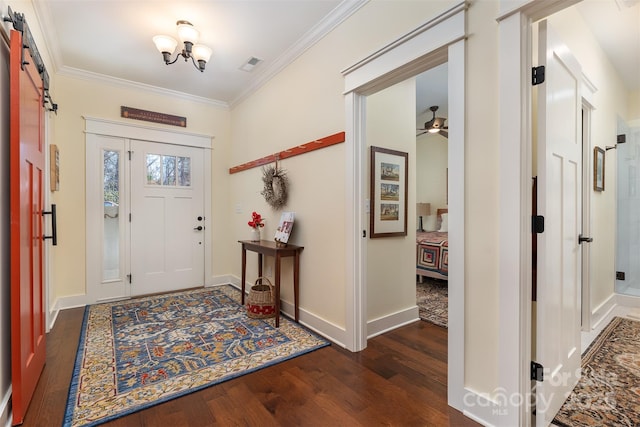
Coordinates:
138	353
608	394
432	300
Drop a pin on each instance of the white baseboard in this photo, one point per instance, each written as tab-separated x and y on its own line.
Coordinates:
5	409
488	412
392	321
333	333
225	279
600	313
628	300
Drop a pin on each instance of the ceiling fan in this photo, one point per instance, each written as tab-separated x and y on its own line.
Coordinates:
435	125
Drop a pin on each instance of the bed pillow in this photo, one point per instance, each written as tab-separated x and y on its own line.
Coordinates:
444	225
430	222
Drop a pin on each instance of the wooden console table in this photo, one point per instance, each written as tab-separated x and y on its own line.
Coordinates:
269	248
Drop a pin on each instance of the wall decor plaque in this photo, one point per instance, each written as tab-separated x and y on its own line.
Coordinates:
152	116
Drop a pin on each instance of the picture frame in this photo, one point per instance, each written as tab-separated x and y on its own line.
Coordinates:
598	169
284	227
388	193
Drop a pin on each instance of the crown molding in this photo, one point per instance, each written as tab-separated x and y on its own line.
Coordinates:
338	15
128	84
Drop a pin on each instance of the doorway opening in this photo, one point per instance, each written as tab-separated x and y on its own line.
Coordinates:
403	59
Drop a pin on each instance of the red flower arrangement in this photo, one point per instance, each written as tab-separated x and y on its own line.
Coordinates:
256	220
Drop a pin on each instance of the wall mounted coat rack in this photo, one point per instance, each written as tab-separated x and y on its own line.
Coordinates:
327	141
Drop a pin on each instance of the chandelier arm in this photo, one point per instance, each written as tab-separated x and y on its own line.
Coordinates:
196	64
174	61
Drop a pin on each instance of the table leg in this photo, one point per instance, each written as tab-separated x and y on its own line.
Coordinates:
259	264
296	286
244	273
277	285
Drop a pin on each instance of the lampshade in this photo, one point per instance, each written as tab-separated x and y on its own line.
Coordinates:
165	44
423	209
187	32
201	52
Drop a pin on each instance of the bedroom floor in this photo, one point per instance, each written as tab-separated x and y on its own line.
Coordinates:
432	300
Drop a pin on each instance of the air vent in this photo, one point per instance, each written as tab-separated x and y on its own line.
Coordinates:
250	64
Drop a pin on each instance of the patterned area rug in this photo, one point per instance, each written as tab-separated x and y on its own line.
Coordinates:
432	300
608	394
138	353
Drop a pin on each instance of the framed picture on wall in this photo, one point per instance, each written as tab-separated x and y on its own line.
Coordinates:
598	169
388	188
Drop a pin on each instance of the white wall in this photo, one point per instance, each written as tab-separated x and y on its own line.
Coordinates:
431	170
391	282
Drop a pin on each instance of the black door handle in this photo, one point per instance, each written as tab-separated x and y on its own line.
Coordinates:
199	228
582	239
54	227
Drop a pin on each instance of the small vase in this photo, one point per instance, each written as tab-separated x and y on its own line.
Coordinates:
255	234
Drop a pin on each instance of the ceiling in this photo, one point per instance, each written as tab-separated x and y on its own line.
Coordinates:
112	40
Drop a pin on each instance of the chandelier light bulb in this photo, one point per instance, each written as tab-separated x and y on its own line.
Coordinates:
187	33
201	52
165	44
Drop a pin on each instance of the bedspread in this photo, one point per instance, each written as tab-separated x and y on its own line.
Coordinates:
432	250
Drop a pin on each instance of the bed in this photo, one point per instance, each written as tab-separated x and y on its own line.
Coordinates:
432	249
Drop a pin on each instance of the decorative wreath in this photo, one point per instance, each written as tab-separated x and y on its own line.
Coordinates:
275	186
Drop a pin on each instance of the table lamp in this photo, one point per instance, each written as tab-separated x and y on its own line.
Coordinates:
422	209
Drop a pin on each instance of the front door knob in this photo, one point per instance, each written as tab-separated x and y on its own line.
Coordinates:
199	228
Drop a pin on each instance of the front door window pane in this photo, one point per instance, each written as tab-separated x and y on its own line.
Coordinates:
184	171
154	169
111	224
169	166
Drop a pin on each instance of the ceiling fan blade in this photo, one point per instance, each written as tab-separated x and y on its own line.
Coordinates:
444	133
422	133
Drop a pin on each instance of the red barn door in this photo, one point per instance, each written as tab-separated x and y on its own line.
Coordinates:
26	169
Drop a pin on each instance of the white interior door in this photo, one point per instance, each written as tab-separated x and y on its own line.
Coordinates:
559	201
167	217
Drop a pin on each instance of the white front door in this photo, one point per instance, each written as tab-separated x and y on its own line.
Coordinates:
167	217
559	201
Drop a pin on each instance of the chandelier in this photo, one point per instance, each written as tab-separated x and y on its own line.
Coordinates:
188	35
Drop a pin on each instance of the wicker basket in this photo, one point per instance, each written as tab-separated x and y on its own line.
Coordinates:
261	302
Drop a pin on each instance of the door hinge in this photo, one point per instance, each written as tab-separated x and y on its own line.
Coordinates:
537	75
621	139
130	152
537	224
129	217
537	371
620	275
129	278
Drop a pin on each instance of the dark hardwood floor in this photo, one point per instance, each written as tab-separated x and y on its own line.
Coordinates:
400	379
